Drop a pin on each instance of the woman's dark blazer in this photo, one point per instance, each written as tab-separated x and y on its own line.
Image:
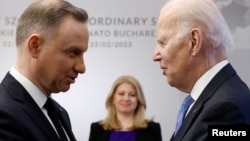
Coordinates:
151	133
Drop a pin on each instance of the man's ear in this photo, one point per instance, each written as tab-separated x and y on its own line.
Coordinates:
34	45
195	41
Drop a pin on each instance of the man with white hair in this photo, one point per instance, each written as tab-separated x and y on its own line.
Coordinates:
192	42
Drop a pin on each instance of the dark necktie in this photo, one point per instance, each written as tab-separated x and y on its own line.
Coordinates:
53	114
182	112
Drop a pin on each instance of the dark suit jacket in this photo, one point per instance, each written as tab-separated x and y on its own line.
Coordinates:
225	101
21	119
151	133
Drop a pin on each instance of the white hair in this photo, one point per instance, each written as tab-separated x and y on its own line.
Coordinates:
202	14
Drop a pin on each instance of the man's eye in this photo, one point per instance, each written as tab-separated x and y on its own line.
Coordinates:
162	43
72	53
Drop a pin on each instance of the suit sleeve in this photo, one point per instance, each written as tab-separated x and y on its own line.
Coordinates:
9	129
92	134
157	132
151	133
97	133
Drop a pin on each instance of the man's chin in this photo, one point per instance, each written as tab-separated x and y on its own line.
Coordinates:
65	88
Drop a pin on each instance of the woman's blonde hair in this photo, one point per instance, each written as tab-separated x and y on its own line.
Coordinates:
111	122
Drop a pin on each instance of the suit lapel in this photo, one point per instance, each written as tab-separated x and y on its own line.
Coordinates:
208	92
41	121
29	106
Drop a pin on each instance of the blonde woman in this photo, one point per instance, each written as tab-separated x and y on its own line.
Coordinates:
125	120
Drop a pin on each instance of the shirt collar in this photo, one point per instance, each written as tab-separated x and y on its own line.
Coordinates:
31	88
202	82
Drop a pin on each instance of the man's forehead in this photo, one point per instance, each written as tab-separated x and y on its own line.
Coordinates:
167	20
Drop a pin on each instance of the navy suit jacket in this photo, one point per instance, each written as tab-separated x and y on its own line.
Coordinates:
224	101
21	119
151	133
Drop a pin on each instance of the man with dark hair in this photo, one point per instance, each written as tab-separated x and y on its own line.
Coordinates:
51	38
